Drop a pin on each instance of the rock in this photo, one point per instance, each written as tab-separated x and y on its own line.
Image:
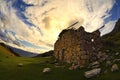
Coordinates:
20	64
102	59
91	73
108	63
106	57
116	60
81	66
74	67
117	53
114	67
71	68
46	70
100	54
93	65
84	57
106	71
107	50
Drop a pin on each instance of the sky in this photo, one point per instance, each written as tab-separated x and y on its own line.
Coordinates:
34	25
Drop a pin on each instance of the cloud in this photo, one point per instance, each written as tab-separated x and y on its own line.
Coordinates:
39	22
108	27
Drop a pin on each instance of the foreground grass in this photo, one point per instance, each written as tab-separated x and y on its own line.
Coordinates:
32	69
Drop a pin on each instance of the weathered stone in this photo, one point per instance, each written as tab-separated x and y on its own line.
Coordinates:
108	63
84	57
116	60
91	73
82	62
46	70
71	68
106	71
76	46
20	64
93	65
102	59
82	66
74	67
114	67
117	53
107	50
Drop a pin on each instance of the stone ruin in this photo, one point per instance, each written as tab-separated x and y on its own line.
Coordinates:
77	46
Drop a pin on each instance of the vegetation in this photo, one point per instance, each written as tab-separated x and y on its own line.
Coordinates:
32	69
111	41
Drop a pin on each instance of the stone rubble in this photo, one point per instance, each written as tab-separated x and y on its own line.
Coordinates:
77	46
93	72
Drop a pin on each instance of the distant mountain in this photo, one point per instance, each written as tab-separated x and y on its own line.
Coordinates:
18	52
49	53
21	52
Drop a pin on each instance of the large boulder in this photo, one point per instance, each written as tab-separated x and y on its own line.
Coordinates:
91	73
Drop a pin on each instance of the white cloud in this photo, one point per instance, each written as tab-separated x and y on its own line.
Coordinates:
108	27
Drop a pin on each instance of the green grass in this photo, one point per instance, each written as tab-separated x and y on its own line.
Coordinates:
32	69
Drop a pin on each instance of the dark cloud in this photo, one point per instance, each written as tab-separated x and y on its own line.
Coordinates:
47	44
44	2
46	20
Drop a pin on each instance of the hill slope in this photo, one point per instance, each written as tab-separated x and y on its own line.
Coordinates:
111	41
5	51
17	52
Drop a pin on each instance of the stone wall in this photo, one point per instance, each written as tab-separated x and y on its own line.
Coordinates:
77	46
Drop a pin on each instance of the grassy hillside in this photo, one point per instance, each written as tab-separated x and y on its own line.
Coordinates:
4	51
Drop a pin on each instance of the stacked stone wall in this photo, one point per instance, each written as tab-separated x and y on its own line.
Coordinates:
76	46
